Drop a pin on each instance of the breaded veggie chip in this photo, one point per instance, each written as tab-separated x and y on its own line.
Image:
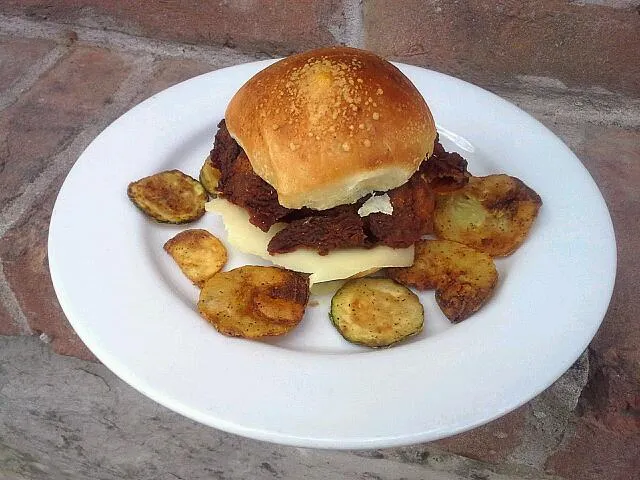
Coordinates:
254	301
492	214
463	278
376	312
169	197
210	176
198	253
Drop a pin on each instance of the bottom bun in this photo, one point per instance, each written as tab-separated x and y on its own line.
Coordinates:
336	265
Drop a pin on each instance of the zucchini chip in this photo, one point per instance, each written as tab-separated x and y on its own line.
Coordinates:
492	214
209	177
254	301
199	254
376	312
463	277
169	197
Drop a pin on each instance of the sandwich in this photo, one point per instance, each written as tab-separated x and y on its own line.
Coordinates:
325	165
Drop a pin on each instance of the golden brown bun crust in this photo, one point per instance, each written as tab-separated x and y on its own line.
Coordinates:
328	126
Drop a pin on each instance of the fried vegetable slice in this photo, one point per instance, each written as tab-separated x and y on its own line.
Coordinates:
376	312
254	301
463	277
198	253
169	197
493	214
210	176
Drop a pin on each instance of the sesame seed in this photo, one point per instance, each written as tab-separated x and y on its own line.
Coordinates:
346	147
379	91
376	116
367	142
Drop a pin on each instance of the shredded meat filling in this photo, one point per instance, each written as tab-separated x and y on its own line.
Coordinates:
413	205
240	185
338	227
321	233
445	171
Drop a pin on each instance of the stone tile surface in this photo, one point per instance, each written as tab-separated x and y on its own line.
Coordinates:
23	252
168	72
575	42
596	453
48	117
64	419
17	56
271	27
492	443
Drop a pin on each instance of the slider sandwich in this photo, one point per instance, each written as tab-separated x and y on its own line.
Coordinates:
324	161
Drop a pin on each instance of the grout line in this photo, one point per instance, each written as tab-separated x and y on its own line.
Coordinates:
11	95
61	163
349	28
10	302
215	56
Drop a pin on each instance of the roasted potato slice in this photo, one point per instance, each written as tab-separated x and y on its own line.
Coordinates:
492	214
376	312
198	253
463	278
169	197
209	177
254	301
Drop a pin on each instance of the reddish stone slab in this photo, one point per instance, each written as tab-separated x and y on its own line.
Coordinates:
23	251
17	56
487	41
168	72
271	27
493	442
612	395
597	453
46	118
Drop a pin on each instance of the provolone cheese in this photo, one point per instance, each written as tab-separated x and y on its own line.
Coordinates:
336	265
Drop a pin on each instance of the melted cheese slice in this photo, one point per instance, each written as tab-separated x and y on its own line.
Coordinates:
338	264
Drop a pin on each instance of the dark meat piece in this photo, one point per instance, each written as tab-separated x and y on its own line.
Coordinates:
445	171
240	185
225	149
321	233
412	216
247	190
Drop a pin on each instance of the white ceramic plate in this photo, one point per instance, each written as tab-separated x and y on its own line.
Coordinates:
133	308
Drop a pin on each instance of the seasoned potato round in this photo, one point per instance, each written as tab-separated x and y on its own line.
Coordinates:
254	301
463	277
198	253
376	312
492	214
169	197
